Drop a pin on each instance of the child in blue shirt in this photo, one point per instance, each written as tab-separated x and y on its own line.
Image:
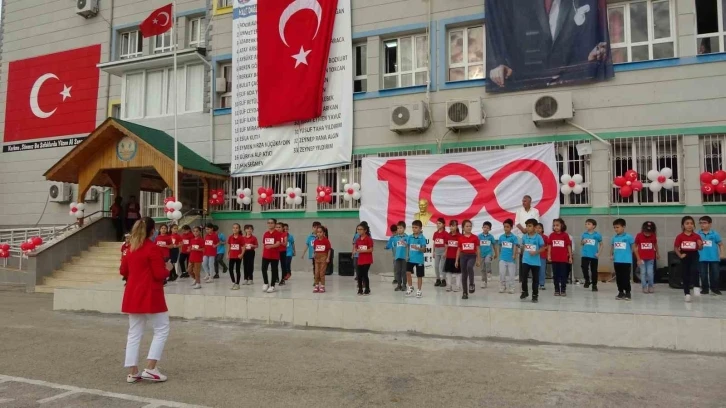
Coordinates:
532	246
416	248
399	244
508	245
310	248
487	249
221	248
290	251
621	252
591	242
390	244
709	257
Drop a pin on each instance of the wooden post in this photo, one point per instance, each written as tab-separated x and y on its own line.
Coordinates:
205	196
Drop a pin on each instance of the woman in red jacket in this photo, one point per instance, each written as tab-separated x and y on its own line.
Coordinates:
145	273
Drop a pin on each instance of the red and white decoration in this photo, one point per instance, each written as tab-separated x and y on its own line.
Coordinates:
172	208
158	22
244	196
31	244
352	192
265	195
628	183
660	179
713	182
325	194
77	209
571	184
4	251
216	197
293	196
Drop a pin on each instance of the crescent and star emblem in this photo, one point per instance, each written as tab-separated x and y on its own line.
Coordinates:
290	10
34	107
166	15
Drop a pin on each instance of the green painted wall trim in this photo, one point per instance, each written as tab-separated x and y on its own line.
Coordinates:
283	215
388	149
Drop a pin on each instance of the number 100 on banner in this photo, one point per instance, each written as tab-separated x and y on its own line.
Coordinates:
483	186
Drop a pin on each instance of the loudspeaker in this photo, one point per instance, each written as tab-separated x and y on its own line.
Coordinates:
329	271
674	271
345	264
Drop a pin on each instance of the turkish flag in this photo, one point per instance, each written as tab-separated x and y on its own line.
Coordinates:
158	22
293	42
53	95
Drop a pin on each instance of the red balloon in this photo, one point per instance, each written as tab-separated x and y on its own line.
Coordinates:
328	199
261	201
320	188
211	201
292	194
37	240
319	199
626	191
631	175
328	191
661	179
74	210
707	189
269	199
720	175
241	196
706	177
637	185
351	191
5	247
3	254
269	191
721	188
619	181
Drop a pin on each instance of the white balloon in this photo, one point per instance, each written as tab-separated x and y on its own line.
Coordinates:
577	189
668	184
298	191
247	200
71	213
356	186
239	201
714	182
566	189
655	186
289	190
577	178
79	214
667	172
81	206
214	196
298	200
565	178
356	195
247	192
347	197
346	187
263	195
176	215
239	191
170	205
74	205
653	175
177	206
322	194
288	200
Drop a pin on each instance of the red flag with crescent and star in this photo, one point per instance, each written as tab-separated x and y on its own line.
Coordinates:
158	22
52	95
293	43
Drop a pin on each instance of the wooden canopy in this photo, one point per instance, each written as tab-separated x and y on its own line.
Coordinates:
118	145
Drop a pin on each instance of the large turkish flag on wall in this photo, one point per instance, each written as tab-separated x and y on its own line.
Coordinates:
52	95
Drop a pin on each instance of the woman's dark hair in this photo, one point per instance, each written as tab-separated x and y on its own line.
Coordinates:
365	227
325	230
118	200
142	230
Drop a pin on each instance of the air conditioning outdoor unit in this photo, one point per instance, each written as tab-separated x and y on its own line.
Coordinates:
60	192
552	108
409	117
220	85
91	195
462	114
87	8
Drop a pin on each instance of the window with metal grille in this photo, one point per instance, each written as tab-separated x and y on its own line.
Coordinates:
712	148
643	154
279	183
570	162
336	179
224	3
473	149
230	190
418	152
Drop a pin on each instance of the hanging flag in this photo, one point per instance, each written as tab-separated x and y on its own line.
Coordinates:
293	42
158	22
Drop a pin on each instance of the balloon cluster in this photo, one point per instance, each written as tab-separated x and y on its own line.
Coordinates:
244	196
352	192
713	182
660	179
571	184
4	251
29	245
172	208
77	209
216	197
325	194
628	183
293	196
265	195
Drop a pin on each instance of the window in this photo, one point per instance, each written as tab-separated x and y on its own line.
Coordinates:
712	149
116	110
152	204
473	149
710	26
224	3
150	93
162	42
419	152
466	53
570	162
641	30
643	154
360	75
337	179
406	62
226	98
279	183
131	45
230	188
195	33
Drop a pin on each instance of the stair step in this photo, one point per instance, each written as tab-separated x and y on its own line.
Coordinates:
67	283
86	277
109	244
101	255
110	263
82	268
44	289
104	251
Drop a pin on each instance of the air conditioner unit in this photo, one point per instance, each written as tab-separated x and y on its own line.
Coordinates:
220	85
87	8
60	192
552	108
466	113
91	195
409	117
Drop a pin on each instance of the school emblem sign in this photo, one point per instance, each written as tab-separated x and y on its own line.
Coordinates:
126	149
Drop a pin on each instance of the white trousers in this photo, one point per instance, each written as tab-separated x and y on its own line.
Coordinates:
137	322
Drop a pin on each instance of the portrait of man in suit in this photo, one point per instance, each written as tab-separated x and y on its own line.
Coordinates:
541	43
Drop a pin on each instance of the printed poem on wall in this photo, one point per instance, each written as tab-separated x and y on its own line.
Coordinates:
324	142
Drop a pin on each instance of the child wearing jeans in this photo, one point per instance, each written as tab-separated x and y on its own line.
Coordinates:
621	252
687	245
452	246
440	237
398	243
646	243
211	242
709	257
321	247
508	252
487	250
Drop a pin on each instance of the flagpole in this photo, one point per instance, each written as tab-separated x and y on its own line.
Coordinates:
175	40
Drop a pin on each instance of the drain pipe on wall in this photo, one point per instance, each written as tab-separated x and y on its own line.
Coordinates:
212	88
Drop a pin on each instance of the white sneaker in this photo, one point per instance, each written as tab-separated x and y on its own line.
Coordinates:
688	298
449	288
511	291
418	294
457	288
265	287
270	289
502	289
409	291
483	285
193	282
153	375
246	283
133	378
235	287
197	286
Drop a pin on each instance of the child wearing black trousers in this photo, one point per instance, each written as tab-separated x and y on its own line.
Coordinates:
687	245
248	256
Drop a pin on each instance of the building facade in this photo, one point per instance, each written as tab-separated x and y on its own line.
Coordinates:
664	108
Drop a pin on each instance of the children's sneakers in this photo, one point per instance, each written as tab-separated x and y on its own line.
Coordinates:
153	375
511	291
322	289
316	289
133	378
409	291
438	283
449	288
265	287
418	294
502	289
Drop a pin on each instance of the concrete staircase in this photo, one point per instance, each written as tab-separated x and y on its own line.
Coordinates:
98	264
